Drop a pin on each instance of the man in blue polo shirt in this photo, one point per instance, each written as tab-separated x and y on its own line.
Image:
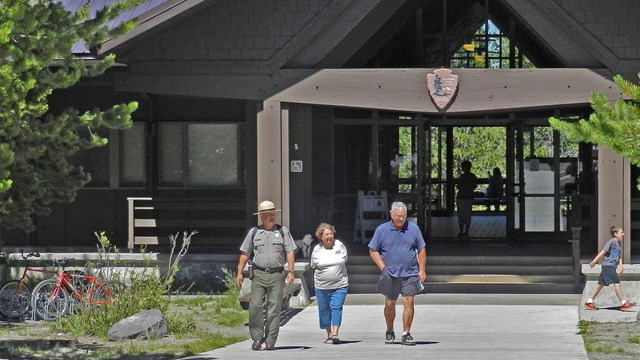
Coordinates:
398	249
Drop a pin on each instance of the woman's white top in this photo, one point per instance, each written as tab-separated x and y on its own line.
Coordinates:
330	266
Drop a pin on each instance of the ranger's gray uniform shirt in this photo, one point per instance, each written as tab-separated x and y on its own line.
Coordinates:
268	247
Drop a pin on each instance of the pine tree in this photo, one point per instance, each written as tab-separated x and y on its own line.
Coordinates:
617	127
36	39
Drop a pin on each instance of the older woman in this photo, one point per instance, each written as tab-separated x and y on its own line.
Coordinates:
329	260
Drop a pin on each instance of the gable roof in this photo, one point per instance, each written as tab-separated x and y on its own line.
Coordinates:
149	14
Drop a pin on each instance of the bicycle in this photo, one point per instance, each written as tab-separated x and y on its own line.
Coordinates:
52	298
15	295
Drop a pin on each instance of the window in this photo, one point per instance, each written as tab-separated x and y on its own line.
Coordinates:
489	48
128	146
170	154
133	155
199	155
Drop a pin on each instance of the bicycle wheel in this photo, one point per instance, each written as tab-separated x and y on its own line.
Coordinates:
78	290
14	299
48	305
98	294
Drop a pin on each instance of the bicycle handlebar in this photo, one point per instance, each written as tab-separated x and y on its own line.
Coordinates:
25	257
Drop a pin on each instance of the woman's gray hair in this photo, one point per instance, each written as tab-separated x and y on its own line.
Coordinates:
398	205
320	229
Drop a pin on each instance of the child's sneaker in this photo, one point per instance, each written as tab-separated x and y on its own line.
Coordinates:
627	305
590	306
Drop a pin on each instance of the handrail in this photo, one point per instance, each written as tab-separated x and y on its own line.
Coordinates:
212	217
131	219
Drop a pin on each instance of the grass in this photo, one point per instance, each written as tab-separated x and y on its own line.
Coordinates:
205	342
196	323
223	310
211	341
191	302
585	327
604	340
633	339
187	342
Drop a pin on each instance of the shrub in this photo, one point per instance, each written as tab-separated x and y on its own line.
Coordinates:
146	289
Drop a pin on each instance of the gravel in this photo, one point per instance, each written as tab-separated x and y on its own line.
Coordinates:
613	341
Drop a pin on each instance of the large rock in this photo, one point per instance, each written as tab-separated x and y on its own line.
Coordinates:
143	325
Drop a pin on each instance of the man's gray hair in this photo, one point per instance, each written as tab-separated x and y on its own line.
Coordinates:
398	205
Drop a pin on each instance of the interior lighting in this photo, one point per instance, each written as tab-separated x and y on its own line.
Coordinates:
469	47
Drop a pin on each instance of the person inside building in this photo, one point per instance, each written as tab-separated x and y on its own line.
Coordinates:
467	183
329	260
398	249
272	248
495	189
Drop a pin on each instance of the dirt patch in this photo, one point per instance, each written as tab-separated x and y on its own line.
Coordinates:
44	343
613	341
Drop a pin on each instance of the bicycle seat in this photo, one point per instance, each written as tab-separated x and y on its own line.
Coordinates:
62	262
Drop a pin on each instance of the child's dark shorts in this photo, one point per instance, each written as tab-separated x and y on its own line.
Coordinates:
608	276
391	287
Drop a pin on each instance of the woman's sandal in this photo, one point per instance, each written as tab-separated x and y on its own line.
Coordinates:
335	340
329	340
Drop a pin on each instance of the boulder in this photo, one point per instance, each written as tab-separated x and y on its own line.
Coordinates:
143	325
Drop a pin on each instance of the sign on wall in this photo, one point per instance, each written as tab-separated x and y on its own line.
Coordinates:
296	166
443	87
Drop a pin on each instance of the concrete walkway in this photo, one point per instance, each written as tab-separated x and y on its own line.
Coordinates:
446	326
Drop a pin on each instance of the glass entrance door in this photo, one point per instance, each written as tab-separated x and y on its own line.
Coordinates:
541	181
416	160
418	171
417	164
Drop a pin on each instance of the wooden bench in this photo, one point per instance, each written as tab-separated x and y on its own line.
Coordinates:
289	290
486	201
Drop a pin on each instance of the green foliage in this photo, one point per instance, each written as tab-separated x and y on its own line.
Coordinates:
145	289
227	309
36	40
224	310
483	146
210	341
635	339
585	327
180	323
617	126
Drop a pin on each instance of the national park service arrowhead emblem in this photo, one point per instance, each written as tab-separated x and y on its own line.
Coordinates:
443	87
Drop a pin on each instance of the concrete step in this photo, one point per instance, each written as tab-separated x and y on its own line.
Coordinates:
478	274
501	260
481	260
499	269
475	278
541	288
476	288
433	269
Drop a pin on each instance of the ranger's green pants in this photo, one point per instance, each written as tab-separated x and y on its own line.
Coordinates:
266	287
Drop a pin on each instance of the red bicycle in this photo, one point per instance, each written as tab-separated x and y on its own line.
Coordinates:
53	298
15	295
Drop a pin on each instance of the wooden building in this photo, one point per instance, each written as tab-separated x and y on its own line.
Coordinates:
302	102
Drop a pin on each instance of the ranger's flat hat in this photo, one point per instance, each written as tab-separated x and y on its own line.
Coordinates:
266	207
